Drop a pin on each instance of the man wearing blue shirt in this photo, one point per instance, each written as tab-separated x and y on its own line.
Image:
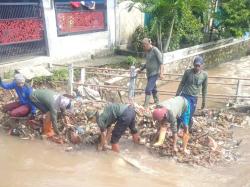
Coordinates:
24	106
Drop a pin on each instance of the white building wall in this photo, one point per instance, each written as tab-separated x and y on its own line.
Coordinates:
85	44
127	22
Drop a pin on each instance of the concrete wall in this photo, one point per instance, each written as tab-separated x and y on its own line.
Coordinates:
212	56
81	45
127	22
121	25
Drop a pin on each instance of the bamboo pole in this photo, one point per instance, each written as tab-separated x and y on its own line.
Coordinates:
172	74
132	83
115	87
238	90
71	79
111	74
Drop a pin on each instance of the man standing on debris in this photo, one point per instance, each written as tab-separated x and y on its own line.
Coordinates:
175	111
154	69
123	116
24	106
192	81
50	103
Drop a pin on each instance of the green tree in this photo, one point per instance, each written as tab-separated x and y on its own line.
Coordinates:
173	20
233	17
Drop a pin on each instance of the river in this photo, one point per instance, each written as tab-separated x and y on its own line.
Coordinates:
37	163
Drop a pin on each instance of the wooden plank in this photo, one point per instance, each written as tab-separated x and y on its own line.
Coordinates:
34	71
116	79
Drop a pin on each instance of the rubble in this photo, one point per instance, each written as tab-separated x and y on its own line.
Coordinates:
211	139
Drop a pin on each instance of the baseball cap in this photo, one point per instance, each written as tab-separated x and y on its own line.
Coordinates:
198	60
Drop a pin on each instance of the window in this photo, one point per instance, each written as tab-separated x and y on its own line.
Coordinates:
80	17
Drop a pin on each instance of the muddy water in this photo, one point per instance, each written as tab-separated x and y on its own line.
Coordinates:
36	163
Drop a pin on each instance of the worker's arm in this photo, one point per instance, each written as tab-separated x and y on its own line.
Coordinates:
182	83
109	134
33	108
8	86
204	92
65	118
173	124
159	58
103	140
138	70
161	71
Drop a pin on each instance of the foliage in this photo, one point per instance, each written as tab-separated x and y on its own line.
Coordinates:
9	74
187	30
58	75
174	20
137	37
233	17
77	74
131	60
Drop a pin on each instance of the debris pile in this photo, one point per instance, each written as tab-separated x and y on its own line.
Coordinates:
211	139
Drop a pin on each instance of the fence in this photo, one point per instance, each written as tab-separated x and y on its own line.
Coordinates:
21	29
235	85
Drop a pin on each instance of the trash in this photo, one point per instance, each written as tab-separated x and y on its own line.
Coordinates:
211	139
212	143
79	130
69	149
14	132
210	135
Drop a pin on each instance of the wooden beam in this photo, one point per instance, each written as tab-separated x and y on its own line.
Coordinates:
116	79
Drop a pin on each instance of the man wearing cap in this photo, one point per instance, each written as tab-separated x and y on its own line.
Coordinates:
123	116
24	106
192	82
50	103
175	111
154	70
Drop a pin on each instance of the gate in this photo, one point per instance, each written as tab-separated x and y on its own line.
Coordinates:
22	30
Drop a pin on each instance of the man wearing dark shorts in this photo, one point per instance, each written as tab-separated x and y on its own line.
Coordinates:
123	116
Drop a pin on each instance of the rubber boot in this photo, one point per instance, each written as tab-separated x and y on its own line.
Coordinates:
156	99
162	136
47	126
146	102
115	147
136	138
185	139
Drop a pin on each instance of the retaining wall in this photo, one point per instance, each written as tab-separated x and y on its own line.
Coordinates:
178	61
